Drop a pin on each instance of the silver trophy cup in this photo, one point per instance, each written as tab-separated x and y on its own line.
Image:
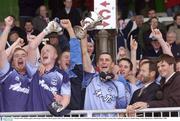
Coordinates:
88	23
57	28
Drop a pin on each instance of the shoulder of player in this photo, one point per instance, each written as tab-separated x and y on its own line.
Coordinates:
118	84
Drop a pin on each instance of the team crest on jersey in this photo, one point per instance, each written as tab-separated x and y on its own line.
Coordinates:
108	97
54	81
17	78
110	89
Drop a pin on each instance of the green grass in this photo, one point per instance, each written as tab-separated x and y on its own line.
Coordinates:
8	7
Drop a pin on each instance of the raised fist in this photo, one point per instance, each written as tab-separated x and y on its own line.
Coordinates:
9	21
20	42
65	23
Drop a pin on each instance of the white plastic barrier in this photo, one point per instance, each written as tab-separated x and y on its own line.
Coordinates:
149	112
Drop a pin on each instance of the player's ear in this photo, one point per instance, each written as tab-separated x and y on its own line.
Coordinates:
55	56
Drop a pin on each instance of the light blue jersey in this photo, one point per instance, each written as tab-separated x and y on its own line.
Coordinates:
103	95
129	88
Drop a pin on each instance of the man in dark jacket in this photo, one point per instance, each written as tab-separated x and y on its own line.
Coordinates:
69	13
170	85
148	72
27	9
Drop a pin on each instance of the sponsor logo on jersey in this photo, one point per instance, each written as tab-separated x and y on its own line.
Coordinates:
17	87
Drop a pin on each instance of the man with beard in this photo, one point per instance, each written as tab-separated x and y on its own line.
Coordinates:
148	74
169	86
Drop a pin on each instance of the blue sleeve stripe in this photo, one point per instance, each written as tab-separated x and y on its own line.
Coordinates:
75	51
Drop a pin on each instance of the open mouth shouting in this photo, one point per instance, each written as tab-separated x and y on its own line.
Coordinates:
45	57
104	68
67	64
20	63
122	73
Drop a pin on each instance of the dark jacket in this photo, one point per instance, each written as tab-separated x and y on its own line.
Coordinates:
148	94
150	52
170	93
73	16
77	93
39	23
175	50
29	7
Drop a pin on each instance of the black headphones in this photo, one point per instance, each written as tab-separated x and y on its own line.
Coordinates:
104	77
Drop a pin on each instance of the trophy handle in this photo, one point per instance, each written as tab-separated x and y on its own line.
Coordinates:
79	32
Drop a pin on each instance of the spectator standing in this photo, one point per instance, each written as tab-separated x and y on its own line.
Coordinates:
42	18
176	27
171	40
29	28
68	12
139	20
55	6
27	9
146	29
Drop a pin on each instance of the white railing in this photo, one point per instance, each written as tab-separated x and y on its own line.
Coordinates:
149	112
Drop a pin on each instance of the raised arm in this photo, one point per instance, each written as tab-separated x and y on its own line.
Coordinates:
134	46
9	51
65	23
34	42
158	35
3	40
75	47
87	64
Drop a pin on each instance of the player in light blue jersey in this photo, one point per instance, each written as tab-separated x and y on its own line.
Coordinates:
53	85
71	62
126	77
103	91
15	77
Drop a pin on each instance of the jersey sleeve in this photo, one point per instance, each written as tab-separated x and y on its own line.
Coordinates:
121	101
75	52
31	69
87	78
66	86
5	69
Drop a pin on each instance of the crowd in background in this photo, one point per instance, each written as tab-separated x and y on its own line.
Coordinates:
65	69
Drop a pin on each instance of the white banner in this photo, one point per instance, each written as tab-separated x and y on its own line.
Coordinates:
107	9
